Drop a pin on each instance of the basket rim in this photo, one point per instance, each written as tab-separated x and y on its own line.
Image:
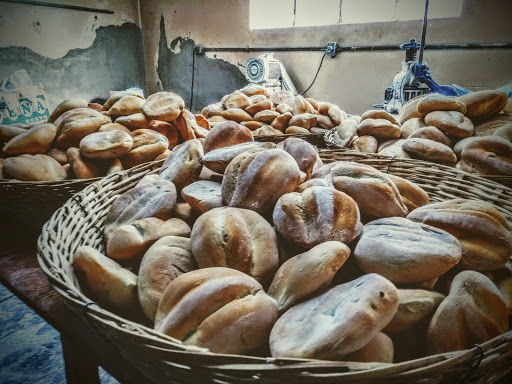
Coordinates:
333	146
74	297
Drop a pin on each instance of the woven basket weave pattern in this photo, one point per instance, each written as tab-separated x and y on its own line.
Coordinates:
163	359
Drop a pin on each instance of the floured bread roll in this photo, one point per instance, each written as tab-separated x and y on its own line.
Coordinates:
236	238
337	322
217	308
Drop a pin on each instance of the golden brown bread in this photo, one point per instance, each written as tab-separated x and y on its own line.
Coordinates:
236	238
164	106
183	165
33	168
381	129
429	150
226	134
105	281
380	349
373	191
301	105
266	116
130	241
66	105
365	143
282	97
379	114
472	313
482	231
304	120
274	169
305	154
125	106
238	100
409	110
453	123
490	155
74	125
316	215
410	126
83	167
258	107
345	133
412	195
151	199
307	273
406	252
119	95
106	145
268	130
483	104
203	195
237	114
135	121
166	259
431	133
217	308
7	132
438	102
337	322
147	144
112	127
37	139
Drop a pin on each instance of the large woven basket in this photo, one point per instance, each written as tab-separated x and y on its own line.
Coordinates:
317	139
330	143
163	359
33	202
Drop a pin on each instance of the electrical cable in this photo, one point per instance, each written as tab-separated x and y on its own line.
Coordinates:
318	70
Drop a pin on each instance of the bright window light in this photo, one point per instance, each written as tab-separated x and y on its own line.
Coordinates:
266	14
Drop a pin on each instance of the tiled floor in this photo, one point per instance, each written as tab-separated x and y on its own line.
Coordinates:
30	349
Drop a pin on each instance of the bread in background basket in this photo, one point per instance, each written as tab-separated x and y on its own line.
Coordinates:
246	305
471	132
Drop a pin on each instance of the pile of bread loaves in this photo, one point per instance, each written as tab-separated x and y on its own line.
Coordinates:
84	141
278	114
247	247
472	132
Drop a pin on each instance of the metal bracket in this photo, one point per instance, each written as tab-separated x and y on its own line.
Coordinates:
331	49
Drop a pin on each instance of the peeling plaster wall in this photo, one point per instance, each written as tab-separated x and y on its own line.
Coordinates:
74	53
353	80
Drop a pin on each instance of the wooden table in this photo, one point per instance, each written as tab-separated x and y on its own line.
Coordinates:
83	351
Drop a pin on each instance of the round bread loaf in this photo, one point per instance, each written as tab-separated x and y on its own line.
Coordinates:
429	150
483	104
292	129
305	154
365	143
125	106
282	97
379	114
317	215
483	232
491	124
217	308
406	252
409	110
381	129
258	107
166	259
301	105
164	106
113	127
281	122
490	155
203	195
380	349
438	102
7	132
147	144
345	133
37	139
237	114
453	123
394	152
187	126
414	305
266	116
324	122
337	322
256	179
183	165
284	108
226	134
411	126
307	273
33	168
58	154
150	199
431	133
135	121
504	131
412	195
131	241
106	145
66	105
304	120
373	191
472	313
237	100
74	125
337	115
236	238
83	167
218	159
119	95
105	281
268	130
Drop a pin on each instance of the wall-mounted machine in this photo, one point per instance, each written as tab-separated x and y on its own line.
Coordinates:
269	73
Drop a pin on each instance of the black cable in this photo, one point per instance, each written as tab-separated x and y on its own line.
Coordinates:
193	72
320	66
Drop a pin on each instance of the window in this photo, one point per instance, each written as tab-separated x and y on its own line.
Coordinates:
266	14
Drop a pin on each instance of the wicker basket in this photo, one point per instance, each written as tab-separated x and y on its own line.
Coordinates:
330	143
33	202
163	359
317	139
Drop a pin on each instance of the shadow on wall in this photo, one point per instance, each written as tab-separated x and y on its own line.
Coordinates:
213	78
114	62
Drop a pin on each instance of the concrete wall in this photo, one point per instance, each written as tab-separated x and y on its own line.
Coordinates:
353	80
74	53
